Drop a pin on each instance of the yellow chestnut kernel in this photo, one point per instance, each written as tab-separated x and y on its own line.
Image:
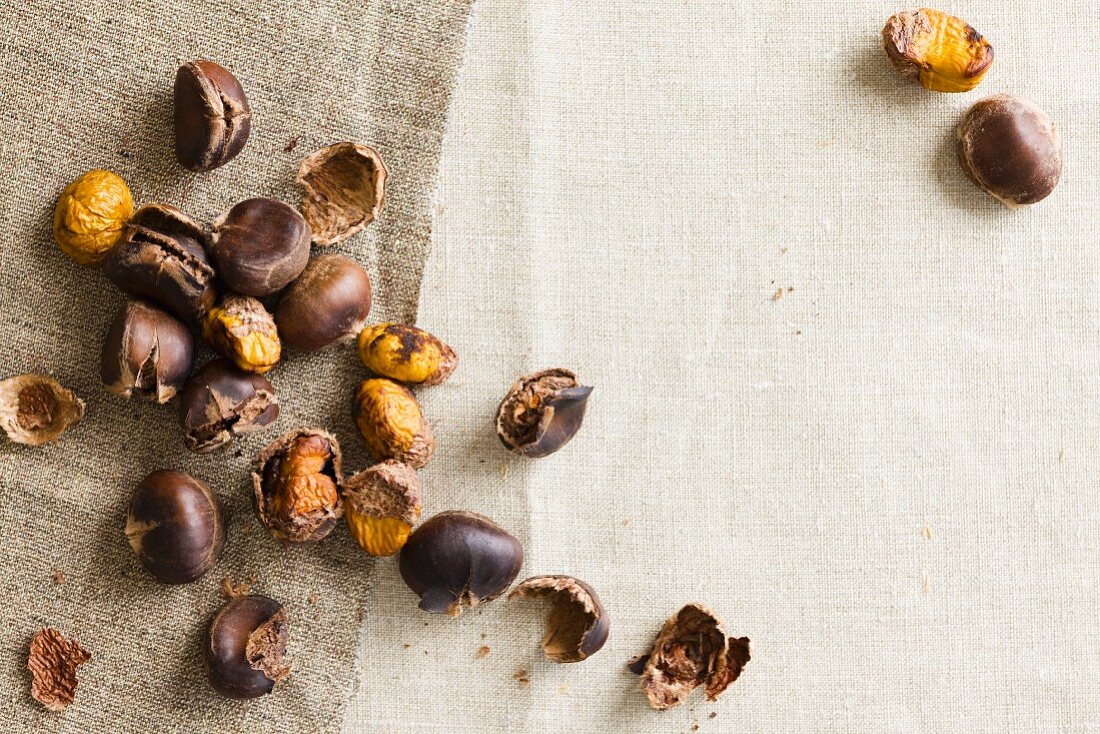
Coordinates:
942	52
406	354
392	423
379	536
90	216
241	329
382	504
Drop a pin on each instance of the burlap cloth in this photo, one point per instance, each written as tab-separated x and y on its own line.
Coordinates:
89	85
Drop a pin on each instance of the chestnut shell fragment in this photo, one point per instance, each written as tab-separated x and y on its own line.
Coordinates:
53	661
577	625
345	186
245	645
36	409
542	412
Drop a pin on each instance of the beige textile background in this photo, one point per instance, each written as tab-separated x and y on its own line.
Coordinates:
87	85
887	477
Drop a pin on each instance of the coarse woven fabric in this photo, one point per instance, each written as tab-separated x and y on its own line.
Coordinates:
841	395
89	85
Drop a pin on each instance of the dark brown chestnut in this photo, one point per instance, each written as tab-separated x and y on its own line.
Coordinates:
296	485
1010	148
212	115
220	402
147	351
161	259
457	560
542	412
175	526
245	647
577	626
259	246
328	303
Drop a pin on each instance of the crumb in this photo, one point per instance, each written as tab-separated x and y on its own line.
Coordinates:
927	585
626	522
483	651
713	715
695	727
238	453
425	652
563	689
784	250
312	598
483	635
1061	456
926	531
231	588
57	577
504	471
826	143
778	294
798	333
126	154
291	144
406	645
522	678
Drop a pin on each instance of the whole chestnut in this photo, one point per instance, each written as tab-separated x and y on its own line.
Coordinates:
211	114
1010	148
220	402
175	526
391	422
542	412
90	215
457	560
147	351
328	303
241	329
296	485
245	646
259	246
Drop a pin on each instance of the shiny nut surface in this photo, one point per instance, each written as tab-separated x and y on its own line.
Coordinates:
211	114
244	648
942	52
577	625
36	409
259	246
381	506
542	412
345	186
295	485
406	354
220	402
90	216
327	304
146	351
391	423
241	329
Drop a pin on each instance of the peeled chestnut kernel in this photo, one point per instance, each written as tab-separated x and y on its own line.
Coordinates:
90	215
381	506
328	303
1010	149
241	329
53	660
392	424
295	485
146	351
345	185
175	526
220	402
259	246
36	409
406	354
942	52
577	626
161	259
542	412
212	115
692	649
457	560
245	647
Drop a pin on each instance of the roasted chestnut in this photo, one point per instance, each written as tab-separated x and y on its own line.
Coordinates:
241	329
542	412
457	560
175	526
328	303
211	114
296	485
391	422
245	647
381	506
577	626
405	353
221	402
147	351
259	246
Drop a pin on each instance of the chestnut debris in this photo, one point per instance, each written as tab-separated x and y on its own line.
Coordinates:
295	485
245	646
147	351
457	560
53	661
220	402
345	186
406	354
381	506
692	649
211	114
542	412
577	626
36	409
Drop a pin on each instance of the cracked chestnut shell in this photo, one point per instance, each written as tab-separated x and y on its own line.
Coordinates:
176	526
577	625
345	186
220	402
211	114
542	412
457	560
245	646
161	259
146	351
36	409
296	485
328	303
259	246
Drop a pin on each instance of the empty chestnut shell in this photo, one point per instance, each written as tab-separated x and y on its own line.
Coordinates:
146	351
1010	148
220	402
542	412
175	526
245	647
457	560
577	626
345	186
36	409
212	115
161	259
296	485
259	246
328	303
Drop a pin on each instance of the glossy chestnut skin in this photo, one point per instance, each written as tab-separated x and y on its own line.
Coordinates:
211	114
176	526
542	412
328	303
577	626
220	402
147	351
459	559
244	646
259	246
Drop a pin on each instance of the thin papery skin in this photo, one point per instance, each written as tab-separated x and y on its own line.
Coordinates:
577	625
53	660
345	186
36	409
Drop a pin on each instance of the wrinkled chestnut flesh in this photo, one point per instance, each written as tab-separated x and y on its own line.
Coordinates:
220	402
146	351
53	660
577	625
381	506
295	485
327	304
245	646
36	409
211	114
260	246
457	560
406	354
542	412
176	526
345	186
691	650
